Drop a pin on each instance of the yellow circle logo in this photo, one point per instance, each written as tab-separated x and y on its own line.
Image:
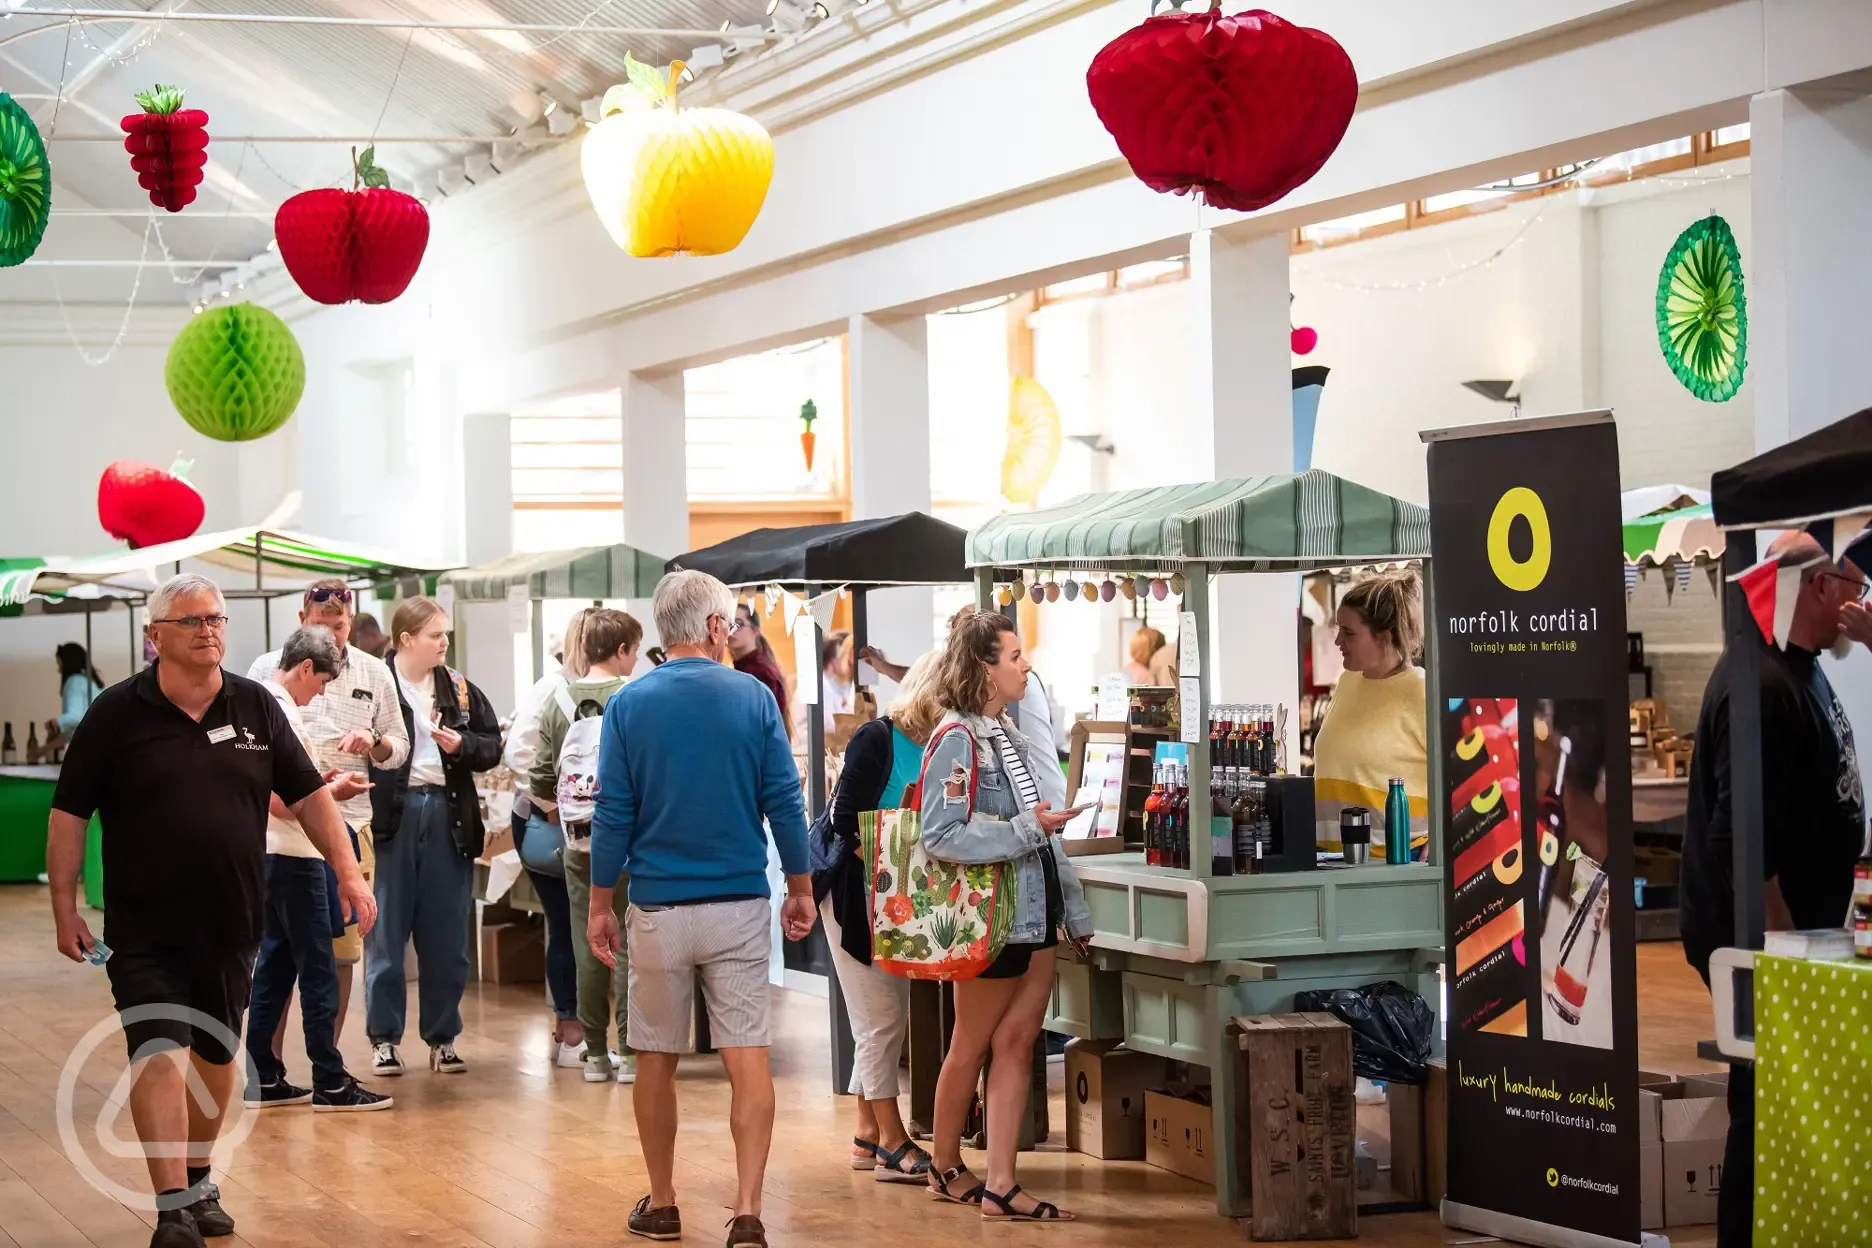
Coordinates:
1553	1177
1519	574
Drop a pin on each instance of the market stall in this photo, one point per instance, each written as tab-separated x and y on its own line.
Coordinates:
1178	952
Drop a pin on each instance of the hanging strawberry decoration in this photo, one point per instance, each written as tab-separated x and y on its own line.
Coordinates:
808	412
1238	110
364	244
168	147
141	504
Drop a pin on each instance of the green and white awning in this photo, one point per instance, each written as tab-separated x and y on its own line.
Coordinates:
591	572
1275	523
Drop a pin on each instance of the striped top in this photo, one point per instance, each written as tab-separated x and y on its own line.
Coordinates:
1016	768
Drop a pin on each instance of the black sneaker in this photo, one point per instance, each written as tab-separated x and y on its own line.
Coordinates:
349	1099
175	1228
386	1062
664	1223
274	1095
210	1218
445	1061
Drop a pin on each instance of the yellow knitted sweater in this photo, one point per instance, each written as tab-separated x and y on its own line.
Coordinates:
1374	729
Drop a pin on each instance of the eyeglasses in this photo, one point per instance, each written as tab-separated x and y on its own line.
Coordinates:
324	593
737	624
1859	588
213	623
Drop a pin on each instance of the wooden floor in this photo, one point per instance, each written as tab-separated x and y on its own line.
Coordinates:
516	1154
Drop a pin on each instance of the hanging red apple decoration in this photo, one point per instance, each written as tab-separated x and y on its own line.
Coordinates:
141	504
168	147
1303	339
364	244
1237	110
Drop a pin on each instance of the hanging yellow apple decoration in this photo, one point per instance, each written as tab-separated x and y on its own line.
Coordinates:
665	180
1033	441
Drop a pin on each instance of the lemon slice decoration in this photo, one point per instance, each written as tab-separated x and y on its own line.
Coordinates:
1033	442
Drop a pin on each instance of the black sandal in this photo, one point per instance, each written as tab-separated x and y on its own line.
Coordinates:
939	1186
866	1163
890	1164
1043	1211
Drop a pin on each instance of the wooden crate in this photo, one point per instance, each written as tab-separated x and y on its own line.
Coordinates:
1296	1126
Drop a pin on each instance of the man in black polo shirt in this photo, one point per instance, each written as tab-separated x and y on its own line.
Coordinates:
179	762
1813	818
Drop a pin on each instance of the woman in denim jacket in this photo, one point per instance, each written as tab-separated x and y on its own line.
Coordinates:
981	670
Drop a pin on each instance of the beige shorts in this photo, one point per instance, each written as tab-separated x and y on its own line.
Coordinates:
727	944
348	948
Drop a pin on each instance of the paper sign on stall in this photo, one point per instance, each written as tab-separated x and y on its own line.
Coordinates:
806	662
1114	699
1189	652
1190	698
519	609
1102	775
445	598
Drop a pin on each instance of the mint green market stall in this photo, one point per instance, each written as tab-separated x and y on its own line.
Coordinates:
1177	953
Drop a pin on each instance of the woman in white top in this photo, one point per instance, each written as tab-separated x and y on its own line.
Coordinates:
541	844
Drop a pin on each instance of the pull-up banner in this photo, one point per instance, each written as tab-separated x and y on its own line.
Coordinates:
1527	574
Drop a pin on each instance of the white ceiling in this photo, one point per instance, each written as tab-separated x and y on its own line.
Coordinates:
276	80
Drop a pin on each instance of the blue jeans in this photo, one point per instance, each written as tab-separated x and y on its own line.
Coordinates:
561	965
424	890
296	944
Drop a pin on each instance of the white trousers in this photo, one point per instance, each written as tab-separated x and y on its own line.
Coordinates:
879	1005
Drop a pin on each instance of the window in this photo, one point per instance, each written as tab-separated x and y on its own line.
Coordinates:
744	424
568	473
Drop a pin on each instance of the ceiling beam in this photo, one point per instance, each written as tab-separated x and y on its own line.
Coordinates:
541	137
88	16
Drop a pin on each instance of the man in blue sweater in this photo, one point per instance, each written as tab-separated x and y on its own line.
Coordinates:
692	758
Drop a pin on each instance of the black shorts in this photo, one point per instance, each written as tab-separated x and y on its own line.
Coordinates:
1013	960
210	981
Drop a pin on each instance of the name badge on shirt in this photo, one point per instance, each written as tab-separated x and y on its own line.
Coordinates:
224	733
363	694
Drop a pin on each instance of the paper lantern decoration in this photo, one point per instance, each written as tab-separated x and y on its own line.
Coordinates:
808	440
666	181
168	147
1702	313
1033	441
25	184
1236	110
1071	590
235	373
1302	340
364	244
144	505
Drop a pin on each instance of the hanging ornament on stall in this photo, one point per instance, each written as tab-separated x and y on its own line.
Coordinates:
144	505
808	440
168	147
1127	588
1052	591
1702	312
364	244
25	184
1033	442
1176	583
1004	594
1089	591
1160	589
664	180
1017	586
235	373
1107	590
1071	590
1237	110
1300	339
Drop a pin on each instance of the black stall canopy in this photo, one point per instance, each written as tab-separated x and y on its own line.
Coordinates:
911	549
1822	476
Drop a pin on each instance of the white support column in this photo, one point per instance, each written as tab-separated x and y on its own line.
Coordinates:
484	636
890	462
1243	389
656	483
1807	270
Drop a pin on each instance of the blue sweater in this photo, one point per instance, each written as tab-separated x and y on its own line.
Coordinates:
692	756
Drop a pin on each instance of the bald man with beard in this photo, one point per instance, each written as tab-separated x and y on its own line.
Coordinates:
1813	816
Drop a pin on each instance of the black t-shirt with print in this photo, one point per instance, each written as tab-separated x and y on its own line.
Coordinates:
183	807
1812	806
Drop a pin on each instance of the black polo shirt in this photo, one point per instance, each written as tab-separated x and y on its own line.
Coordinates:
183	806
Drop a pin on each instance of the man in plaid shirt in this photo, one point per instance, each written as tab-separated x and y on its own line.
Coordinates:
355	722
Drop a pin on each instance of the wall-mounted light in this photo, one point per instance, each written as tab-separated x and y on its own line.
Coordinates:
1496	392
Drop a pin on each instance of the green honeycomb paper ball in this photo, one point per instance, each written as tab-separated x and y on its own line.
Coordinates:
235	373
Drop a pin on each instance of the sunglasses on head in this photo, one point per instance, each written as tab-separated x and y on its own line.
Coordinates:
323	594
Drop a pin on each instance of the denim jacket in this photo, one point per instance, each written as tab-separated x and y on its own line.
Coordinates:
998	830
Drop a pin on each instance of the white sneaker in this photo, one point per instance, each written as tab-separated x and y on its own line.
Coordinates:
385	1061
444	1061
626	1064
571	1056
597	1069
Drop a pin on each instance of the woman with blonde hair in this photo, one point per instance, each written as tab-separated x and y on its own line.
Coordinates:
882	760
1376	727
981	804
1153	659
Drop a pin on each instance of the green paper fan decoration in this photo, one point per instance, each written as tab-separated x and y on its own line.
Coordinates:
235	373
1702	314
25	184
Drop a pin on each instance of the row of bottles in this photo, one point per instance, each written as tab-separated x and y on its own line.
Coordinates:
1166	818
1240	798
9	749
1243	739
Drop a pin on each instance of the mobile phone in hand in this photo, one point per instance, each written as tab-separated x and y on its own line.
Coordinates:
98	954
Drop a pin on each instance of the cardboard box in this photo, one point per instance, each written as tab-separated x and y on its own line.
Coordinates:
513	953
1651	1149
1180	1134
1436	1133
1105	1086
1694	1128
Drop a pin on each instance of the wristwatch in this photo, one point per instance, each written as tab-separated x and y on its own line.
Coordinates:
376	737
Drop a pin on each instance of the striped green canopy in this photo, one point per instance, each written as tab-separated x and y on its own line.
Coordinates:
582	572
1277	523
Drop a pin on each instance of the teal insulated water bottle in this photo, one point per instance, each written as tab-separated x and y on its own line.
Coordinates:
1396	824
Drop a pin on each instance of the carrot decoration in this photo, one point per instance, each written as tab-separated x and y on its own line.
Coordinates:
808	412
